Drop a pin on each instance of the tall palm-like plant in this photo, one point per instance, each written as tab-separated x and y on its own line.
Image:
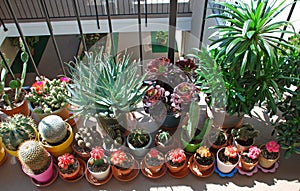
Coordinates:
246	49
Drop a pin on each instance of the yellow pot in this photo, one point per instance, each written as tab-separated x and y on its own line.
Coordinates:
65	147
2	153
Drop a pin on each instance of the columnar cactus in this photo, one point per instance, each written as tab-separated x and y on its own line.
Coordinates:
52	129
17	129
33	156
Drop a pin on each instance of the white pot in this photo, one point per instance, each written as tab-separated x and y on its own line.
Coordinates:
140	152
225	168
99	175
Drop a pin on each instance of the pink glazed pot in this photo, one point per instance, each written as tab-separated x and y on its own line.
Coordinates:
43	177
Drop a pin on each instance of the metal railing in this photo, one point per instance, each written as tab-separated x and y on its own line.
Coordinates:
32	9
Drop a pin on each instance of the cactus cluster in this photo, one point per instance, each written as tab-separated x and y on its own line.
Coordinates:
17	129
138	138
88	137
33	156
52	129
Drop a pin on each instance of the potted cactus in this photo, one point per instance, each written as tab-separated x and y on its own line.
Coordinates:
202	162
217	139
227	158
69	166
123	163
154	161
98	165
249	158
176	161
15	130
269	154
36	161
56	135
164	141
139	141
244	137
80	147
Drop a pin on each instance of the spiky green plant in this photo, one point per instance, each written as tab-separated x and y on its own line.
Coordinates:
164	137
104	87
16	129
33	156
138	138
52	129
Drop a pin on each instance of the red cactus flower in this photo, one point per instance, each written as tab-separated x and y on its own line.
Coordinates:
231	151
65	160
64	79
272	146
97	153
153	153
39	86
177	155
253	152
118	157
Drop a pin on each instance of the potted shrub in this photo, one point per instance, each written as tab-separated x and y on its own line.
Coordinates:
176	161
69	166
249	158
105	88
269	154
13	99
227	158
98	165
56	135
139	141
244	136
49	97
36	162
202	161
15	130
123	163
154	161
164	141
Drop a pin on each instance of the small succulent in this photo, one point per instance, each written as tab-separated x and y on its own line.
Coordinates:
52	129
204	156
231	151
164	137
253	152
139	138
270	150
17	129
33	156
176	156
66	161
97	155
245	132
204	152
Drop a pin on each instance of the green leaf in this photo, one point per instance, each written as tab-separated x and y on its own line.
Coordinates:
24	57
15	84
244	63
250	34
288	153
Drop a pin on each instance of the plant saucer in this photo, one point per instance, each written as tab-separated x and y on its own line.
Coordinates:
149	174
92	180
248	173
196	172
80	174
53	178
130	176
221	174
269	170
180	174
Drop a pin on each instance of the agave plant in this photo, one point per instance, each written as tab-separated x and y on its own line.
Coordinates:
105	88
246	48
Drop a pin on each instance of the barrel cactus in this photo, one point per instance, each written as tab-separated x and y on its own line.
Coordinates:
52	129
17	129
33	156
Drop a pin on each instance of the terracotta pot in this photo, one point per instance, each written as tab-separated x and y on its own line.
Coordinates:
99	175
44	177
176	169
155	169
72	175
225	168
248	166
65	147
64	113
223	119
266	163
22	109
213	147
203	168
83	155
124	171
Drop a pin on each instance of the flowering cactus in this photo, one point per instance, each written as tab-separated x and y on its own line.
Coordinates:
153	153
253	152
272	147
231	151
204	152
177	155
66	161
118	157
97	155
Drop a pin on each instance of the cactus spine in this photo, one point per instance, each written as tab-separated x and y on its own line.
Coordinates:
17	129
52	129
33	156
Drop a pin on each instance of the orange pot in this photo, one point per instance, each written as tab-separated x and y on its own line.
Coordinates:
22	109
72	175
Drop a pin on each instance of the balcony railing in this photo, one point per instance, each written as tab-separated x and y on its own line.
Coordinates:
32	9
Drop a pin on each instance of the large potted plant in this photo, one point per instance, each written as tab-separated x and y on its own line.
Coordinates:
15	130
49	97
106	88
12	100
244	137
246	51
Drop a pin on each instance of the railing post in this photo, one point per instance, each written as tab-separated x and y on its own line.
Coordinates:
79	24
203	22
289	17
172	29
97	16
110	29
140	32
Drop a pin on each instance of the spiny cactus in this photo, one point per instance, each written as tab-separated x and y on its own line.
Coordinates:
138	138
52	129
164	137
17	129
245	132
33	156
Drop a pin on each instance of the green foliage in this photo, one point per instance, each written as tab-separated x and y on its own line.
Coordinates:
33	156
52	129
162	37
138	138
17	129
246	49
103	87
245	132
